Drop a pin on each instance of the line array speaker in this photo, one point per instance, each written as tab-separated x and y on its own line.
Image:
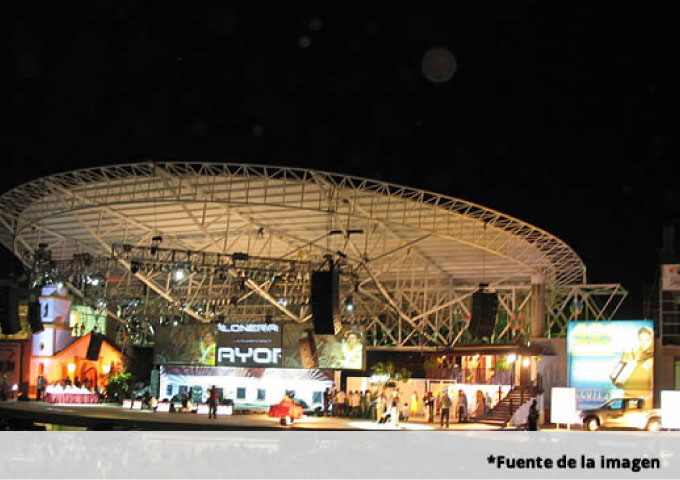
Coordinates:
9	311
95	346
484	309
34	318
325	300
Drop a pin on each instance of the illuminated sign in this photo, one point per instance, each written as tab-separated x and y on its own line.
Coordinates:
259	356
249	345
610	359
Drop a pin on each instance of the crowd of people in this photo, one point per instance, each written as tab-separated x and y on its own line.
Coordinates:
388	406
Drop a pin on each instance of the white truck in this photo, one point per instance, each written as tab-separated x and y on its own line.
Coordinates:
622	413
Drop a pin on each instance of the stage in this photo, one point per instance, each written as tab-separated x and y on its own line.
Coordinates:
109	416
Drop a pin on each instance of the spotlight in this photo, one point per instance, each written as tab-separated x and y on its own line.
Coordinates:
349	304
511	358
179	275
526	362
283	302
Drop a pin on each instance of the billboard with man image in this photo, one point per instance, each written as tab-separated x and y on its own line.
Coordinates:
185	345
610	359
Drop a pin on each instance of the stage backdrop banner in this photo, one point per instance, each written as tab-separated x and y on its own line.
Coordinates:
185	345
610	359
303	349
249	345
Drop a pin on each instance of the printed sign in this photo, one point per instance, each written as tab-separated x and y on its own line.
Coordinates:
610	359
249	345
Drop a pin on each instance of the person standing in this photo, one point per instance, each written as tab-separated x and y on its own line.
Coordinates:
462	407
41	387
429	406
445	402
532	418
326	401
380	407
394	413
369	407
415	404
363	406
212	402
342	401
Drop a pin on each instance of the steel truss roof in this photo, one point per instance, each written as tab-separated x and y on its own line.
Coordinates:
411	256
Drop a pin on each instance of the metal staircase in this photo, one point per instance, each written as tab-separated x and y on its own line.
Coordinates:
502	413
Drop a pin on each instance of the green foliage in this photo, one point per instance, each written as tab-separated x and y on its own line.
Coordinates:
119	386
390	370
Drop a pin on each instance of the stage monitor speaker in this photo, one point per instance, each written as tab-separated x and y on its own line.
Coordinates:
325	299
9	311
34	318
484	309
94	347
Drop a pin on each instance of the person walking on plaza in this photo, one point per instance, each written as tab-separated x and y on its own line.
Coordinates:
212	402
532	418
445	402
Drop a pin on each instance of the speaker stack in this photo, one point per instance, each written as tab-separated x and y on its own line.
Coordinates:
9	310
325	300
484	309
94	347
34	318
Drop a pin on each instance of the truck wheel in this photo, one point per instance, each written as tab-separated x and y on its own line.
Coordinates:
592	424
654	425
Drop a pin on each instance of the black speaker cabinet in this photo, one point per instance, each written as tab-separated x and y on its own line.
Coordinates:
484	309
325	299
34	318
9	311
95	346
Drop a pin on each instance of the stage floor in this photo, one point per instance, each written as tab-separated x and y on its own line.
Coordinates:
114	416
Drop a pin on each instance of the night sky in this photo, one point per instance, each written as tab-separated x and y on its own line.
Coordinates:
558	116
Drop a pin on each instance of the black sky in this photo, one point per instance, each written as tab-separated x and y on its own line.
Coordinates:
561	116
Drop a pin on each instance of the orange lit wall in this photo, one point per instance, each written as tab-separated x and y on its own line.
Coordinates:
55	368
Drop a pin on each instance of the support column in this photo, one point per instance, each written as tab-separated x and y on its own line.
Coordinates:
537	315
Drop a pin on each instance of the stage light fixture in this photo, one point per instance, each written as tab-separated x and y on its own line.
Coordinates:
179	274
349	304
134	266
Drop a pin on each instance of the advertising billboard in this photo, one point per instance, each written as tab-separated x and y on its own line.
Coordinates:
609	359
185	345
249	345
303	349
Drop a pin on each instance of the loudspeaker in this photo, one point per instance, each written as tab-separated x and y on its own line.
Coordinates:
95	346
34	318
325	300
9	311
484	309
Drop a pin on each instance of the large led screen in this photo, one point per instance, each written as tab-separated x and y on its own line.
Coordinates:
303	349
249	345
610	359
185	345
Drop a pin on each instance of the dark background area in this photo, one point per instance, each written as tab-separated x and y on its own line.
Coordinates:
558	115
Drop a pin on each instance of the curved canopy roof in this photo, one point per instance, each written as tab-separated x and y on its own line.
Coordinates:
409	253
